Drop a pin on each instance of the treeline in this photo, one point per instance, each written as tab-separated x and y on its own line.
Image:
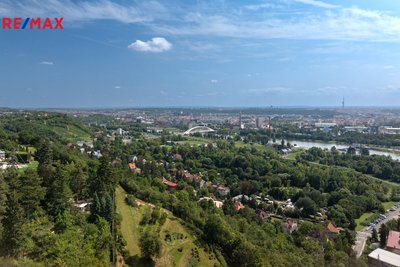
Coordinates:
40	221
382	167
32	127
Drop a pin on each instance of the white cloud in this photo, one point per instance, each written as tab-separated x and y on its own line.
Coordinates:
163	92
332	24
269	90
259	6
249	75
84	10
317	3
47	63
156	44
389	67
202	47
214	81
117	87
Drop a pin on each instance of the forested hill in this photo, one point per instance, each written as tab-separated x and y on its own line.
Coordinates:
29	128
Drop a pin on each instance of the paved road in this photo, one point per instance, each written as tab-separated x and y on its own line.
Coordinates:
363	235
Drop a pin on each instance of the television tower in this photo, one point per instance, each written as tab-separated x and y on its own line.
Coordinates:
343	103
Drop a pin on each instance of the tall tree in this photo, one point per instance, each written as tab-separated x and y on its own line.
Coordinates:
374	236
13	223
78	182
59	193
31	192
105	179
383	234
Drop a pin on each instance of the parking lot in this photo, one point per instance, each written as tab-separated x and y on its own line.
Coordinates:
363	235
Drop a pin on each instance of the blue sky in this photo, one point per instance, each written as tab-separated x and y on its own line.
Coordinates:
202	53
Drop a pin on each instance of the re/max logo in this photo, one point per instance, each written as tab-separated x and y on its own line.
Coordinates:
32	23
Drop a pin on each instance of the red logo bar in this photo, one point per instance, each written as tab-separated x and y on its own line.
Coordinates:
18	23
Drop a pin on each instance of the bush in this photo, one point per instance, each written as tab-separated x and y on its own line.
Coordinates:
131	201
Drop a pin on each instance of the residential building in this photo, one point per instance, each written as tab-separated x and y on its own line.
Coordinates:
169	183
238	205
2	155
289	226
383	258
217	203
393	242
262	215
222	191
331	231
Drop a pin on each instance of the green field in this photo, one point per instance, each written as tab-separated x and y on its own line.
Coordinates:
130	221
292	155
388	205
177	250
363	218
257	146
193	142
71	133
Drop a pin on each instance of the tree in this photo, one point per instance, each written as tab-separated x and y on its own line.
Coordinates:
13	223
31	192
229	208
3	195
364	151
78	182
244	254
383	234
149	242
105	179
58	193
307	206
351	150
374	236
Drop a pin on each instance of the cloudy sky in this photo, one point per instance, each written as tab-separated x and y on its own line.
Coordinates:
202	53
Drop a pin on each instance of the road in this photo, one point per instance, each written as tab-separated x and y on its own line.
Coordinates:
363	235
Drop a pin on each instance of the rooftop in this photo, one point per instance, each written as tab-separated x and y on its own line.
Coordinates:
393	240
385	256
331	228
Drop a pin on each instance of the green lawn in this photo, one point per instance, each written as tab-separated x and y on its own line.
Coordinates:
363	217
292	155
257	146
130	221
179	250
71	133
193	142
387	205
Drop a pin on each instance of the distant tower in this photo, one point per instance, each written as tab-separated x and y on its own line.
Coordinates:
240	121
343	103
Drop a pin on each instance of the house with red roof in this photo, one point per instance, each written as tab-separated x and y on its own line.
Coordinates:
331	230
289	226
262	215
393	242
169	183
134	168
238	205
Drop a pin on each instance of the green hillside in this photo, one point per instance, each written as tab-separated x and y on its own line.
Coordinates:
180	247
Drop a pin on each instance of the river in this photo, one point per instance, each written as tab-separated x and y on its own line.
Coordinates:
327	145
